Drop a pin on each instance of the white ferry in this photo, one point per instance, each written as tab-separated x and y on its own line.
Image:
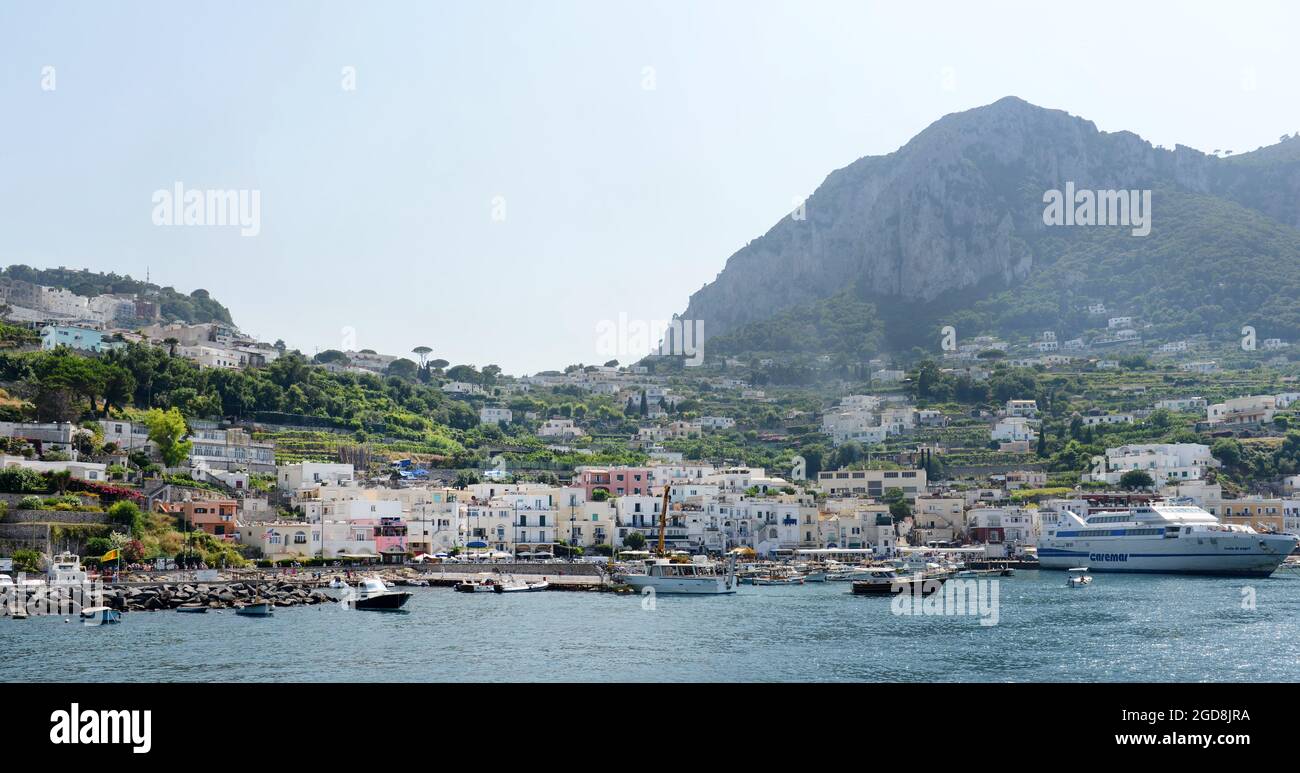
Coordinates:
1161	537
696	577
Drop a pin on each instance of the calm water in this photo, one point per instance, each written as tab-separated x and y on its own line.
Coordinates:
1122	628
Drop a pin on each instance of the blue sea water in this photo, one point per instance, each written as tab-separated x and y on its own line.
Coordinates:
1121	628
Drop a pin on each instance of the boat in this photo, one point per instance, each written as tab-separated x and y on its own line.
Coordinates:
191	608
255	609
1162	537
696	577
482	586
779	576
885	580
699	576
338	583
1078	577
65	569
372	594
101	615
522	587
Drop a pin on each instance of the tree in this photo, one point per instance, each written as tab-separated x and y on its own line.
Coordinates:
167	429
634	541
127	513
402	368
1228	451
599	495
1136	479
422	352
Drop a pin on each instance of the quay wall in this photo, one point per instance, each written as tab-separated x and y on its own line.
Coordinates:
550	570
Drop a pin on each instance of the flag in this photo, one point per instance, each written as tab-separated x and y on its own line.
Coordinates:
111	555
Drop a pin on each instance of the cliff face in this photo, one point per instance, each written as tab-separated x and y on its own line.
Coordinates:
961	205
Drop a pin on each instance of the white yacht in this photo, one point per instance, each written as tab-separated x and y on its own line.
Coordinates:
1161	537
696	577
65	570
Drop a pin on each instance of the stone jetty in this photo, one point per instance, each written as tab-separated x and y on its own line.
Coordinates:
213	595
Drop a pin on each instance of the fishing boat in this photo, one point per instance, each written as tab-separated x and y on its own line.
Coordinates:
1078	577
101	615
255	609
522	587
779	576
373	595
481	586
885	580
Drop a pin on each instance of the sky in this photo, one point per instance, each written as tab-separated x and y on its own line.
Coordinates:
501	181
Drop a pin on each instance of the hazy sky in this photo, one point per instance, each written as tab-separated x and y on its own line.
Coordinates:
624	188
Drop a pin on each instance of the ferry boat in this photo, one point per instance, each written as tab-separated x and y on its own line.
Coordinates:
1161	537
696	577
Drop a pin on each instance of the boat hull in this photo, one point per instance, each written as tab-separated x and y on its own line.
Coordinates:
924	586
694	586
383	602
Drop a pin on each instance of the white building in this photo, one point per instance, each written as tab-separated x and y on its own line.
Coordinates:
1014	429
1162	461
556	427
292	477
1242	410
495	415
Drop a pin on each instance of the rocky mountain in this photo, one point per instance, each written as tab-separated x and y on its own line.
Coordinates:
955	219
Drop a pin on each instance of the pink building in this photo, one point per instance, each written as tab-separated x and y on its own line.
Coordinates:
618	481
390	539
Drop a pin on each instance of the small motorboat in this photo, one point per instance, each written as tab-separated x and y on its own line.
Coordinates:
255	609
1078	577
192	608
418	583
338	583
885	580
778	579
101	615
522	587
482	586
372	594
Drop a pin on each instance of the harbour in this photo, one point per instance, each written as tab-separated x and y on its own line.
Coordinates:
1123	627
